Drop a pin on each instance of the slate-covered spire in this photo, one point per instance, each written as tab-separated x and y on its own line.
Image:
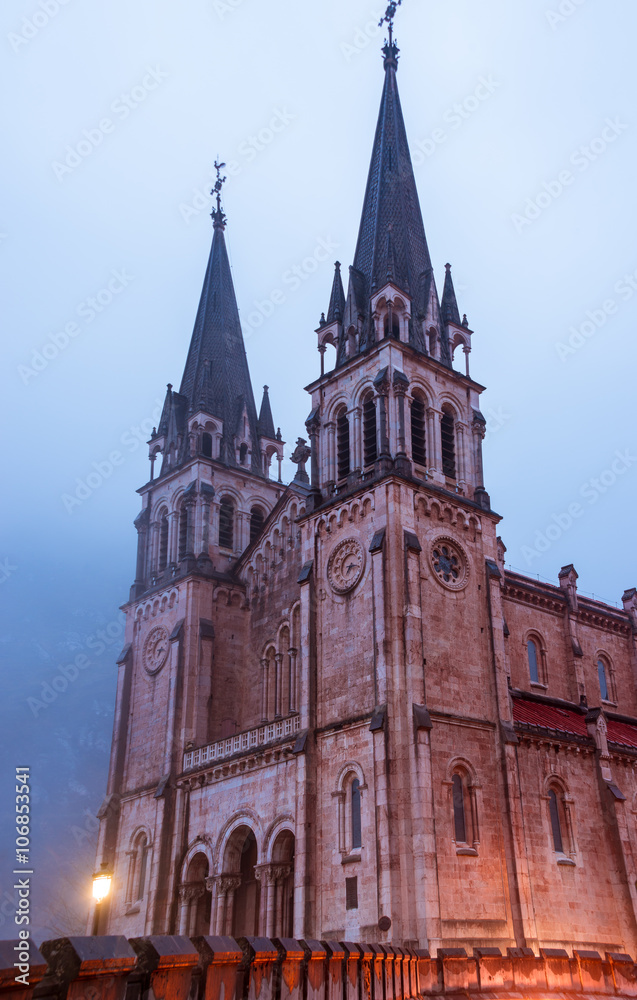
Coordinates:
391	201
449	305
266	423
337	298
216	378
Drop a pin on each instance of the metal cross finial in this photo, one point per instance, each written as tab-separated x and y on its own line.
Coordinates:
217	214
390	14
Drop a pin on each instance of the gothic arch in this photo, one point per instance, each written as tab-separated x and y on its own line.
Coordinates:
282	824
245	817
533	635
163	501
462	762
198	846
354	767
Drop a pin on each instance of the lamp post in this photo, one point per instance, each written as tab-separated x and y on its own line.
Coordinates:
101	888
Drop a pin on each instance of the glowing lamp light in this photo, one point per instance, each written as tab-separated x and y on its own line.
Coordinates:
101	885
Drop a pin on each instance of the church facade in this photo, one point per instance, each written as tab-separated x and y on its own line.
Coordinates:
338	715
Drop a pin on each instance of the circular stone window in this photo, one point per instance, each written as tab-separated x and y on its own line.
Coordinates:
449	563
155	649
345	566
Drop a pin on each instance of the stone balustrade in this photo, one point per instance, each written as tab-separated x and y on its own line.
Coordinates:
220	968
252	739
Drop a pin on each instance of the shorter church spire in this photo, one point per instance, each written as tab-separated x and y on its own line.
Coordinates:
266	422
449	306
337	298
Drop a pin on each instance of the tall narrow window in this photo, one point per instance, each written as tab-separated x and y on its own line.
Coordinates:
533	655
163	541
370	452
226	523
448	443
257	519
556	826
342	443
356	813
243	454
142	849
206	445
603	680
418	449
183	530
391	325
459	819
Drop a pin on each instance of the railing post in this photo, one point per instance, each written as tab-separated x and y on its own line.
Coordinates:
316	966
167	966
81	965
335	962
221	959
31	971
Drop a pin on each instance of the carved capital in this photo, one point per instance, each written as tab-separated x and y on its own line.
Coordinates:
227	883
191	890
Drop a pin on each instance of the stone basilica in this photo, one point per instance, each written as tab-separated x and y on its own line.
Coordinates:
338	716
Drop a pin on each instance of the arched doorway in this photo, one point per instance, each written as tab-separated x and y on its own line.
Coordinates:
282	870
195	898
238	893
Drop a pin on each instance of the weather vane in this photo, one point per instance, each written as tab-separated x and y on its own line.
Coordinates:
390	14
217	213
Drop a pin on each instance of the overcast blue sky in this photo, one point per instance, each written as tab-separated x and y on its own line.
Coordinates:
521	123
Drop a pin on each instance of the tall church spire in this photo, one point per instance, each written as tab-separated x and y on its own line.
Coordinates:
216	378
391	199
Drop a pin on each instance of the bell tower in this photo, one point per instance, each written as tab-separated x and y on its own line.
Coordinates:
399	396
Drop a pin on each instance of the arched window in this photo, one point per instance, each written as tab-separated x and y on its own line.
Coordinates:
138	869
226	523
142	849
355	793
603	680
464	812
370	452
418	440
342	443
391	325
556	826
257	519
448	443
534	661
206	445
243	454
183	530
163	541
433	343
459	818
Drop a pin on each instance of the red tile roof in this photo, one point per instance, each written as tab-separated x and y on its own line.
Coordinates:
564	720
623	733
535	713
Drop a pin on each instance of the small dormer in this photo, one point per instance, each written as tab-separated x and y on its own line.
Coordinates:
204	435
391	312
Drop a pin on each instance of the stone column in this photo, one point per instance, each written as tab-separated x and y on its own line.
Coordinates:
264	689
173	537
479	430
190	534
466	351
358	439
313	427
189	893
141	523
461	471
205	526
153	548
278	685
331	452
382	387
292	686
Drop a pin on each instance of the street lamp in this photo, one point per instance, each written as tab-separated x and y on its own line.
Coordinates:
101	888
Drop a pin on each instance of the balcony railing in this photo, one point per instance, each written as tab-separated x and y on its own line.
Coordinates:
252	739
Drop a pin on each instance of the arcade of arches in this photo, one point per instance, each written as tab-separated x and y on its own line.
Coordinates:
247	898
